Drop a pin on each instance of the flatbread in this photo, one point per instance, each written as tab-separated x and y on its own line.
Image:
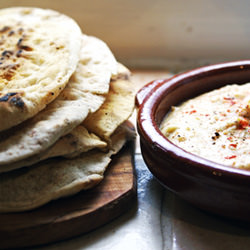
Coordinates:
70	108
116	109
28	188
96	79
79	140
39	50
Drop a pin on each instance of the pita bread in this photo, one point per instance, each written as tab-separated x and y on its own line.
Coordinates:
28	188
122	94
39	52
46	97
80	140
96	79
66	112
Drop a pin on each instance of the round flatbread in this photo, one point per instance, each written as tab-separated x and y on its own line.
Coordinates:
116	109
39	52
96	79
28	188
80	140
69	109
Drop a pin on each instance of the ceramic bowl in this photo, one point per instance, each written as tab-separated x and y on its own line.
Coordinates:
214	187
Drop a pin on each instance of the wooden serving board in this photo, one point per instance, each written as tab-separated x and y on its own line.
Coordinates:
72	216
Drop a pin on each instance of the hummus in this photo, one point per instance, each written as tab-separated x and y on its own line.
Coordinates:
215	126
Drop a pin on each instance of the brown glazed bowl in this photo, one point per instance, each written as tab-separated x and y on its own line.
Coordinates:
210	186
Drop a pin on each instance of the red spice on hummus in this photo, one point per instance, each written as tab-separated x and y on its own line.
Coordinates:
215	126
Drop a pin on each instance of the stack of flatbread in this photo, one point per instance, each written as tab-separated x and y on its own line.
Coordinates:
64	102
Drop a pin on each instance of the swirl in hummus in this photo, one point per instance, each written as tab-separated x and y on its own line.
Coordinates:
215	126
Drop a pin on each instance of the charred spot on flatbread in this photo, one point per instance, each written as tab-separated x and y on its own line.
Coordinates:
9	57
7	71
13	98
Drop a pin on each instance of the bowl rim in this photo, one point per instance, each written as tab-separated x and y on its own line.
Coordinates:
151	95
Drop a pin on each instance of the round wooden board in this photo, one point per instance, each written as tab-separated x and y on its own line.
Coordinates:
72	216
